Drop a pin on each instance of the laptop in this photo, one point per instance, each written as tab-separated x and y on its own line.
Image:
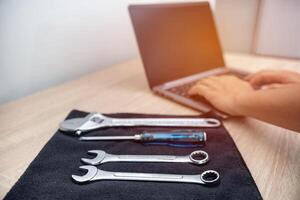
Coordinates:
179	45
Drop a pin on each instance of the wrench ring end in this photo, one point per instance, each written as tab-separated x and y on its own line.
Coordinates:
197	161
210	177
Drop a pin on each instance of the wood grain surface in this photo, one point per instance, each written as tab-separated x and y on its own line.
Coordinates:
271	153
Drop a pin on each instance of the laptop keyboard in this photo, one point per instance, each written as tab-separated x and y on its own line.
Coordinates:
183	89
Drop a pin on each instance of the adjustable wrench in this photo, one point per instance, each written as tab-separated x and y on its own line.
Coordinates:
96	120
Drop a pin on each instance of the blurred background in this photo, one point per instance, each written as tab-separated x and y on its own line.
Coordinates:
47	42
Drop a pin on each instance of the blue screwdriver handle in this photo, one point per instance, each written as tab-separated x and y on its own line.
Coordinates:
184	137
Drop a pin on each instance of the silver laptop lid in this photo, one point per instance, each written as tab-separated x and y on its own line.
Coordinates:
176	40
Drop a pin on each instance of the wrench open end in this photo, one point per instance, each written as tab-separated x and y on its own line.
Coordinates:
91	173
94	161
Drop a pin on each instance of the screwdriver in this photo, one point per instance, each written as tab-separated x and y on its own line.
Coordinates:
173	136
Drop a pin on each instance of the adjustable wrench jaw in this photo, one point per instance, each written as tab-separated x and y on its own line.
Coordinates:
81	125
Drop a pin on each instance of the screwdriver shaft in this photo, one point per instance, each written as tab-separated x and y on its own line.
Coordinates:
94	138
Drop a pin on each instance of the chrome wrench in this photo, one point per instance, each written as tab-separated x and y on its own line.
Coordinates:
208	178
96	120
196	157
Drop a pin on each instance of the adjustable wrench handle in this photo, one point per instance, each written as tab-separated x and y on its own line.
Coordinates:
168	122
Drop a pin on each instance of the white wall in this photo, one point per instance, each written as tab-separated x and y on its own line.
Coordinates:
236	22
279	28
46	42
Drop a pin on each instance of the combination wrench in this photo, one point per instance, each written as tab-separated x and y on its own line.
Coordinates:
196	157
208	178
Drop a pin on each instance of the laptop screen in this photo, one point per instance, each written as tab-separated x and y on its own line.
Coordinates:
176	40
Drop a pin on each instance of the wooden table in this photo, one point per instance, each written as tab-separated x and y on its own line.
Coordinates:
271	153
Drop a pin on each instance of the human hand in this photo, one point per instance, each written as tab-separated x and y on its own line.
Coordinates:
272	78
222	92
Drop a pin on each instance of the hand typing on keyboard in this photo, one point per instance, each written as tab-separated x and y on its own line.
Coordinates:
222	92
255	96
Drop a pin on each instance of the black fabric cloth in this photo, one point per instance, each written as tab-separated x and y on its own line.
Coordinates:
49	174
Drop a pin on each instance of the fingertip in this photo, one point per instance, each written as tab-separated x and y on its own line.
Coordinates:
254	83
248	77
197	90
192	91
